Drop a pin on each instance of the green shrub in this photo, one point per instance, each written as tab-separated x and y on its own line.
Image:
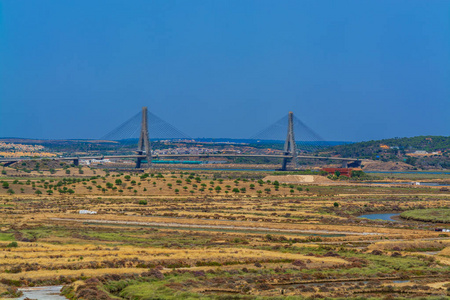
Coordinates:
12	245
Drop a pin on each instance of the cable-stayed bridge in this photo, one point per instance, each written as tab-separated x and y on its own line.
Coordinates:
299	141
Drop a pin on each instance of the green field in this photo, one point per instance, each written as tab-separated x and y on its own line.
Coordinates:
438	215
413	176
6	237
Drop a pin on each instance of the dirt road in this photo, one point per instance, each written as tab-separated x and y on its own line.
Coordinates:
225	227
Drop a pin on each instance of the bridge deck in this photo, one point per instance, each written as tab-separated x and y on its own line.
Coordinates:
177	155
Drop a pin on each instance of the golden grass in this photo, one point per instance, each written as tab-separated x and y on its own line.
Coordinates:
242	223
438	285
411	245
55	260
52	274
47	253
243	216
445	251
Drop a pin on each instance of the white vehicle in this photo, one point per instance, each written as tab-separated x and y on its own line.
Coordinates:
89	212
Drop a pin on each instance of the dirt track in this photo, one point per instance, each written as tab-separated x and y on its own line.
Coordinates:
226	227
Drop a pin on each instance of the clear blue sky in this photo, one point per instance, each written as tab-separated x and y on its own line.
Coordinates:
351	70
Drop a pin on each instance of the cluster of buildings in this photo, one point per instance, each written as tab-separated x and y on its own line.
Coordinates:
223	150
347	172
88	162
184	150
21	150
26	154
412	152
424	153
20	147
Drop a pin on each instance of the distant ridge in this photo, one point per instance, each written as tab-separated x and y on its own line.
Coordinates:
200	140
370	149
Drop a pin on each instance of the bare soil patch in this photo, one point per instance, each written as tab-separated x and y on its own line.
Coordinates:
385	166
299	179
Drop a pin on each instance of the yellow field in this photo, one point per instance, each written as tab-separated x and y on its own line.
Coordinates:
255	233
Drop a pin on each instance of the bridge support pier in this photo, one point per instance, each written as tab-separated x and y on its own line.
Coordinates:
290	148
76	162
144	142
344	164
139	160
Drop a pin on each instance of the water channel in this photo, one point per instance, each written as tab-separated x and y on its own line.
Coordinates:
42	293
409	183
408	172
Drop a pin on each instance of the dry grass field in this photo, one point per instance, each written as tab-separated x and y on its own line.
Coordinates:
218	235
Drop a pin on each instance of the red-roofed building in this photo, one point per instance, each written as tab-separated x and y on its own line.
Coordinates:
343	171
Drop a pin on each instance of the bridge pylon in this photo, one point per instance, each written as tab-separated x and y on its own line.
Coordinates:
144	146
290	148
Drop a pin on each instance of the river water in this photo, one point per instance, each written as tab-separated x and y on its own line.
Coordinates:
408	172
42	293
410	183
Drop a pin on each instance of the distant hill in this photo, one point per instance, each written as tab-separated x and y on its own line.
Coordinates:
420	151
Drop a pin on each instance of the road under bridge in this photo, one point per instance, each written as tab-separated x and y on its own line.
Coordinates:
346	162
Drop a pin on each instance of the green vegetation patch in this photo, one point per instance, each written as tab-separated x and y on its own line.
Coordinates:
437	215
6	237
181	284
154	290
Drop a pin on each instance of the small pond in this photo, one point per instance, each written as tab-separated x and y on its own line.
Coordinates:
384	217
401	281
42	293
431	252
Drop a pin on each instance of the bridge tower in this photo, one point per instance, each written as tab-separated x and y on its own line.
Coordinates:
290	148
144	146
